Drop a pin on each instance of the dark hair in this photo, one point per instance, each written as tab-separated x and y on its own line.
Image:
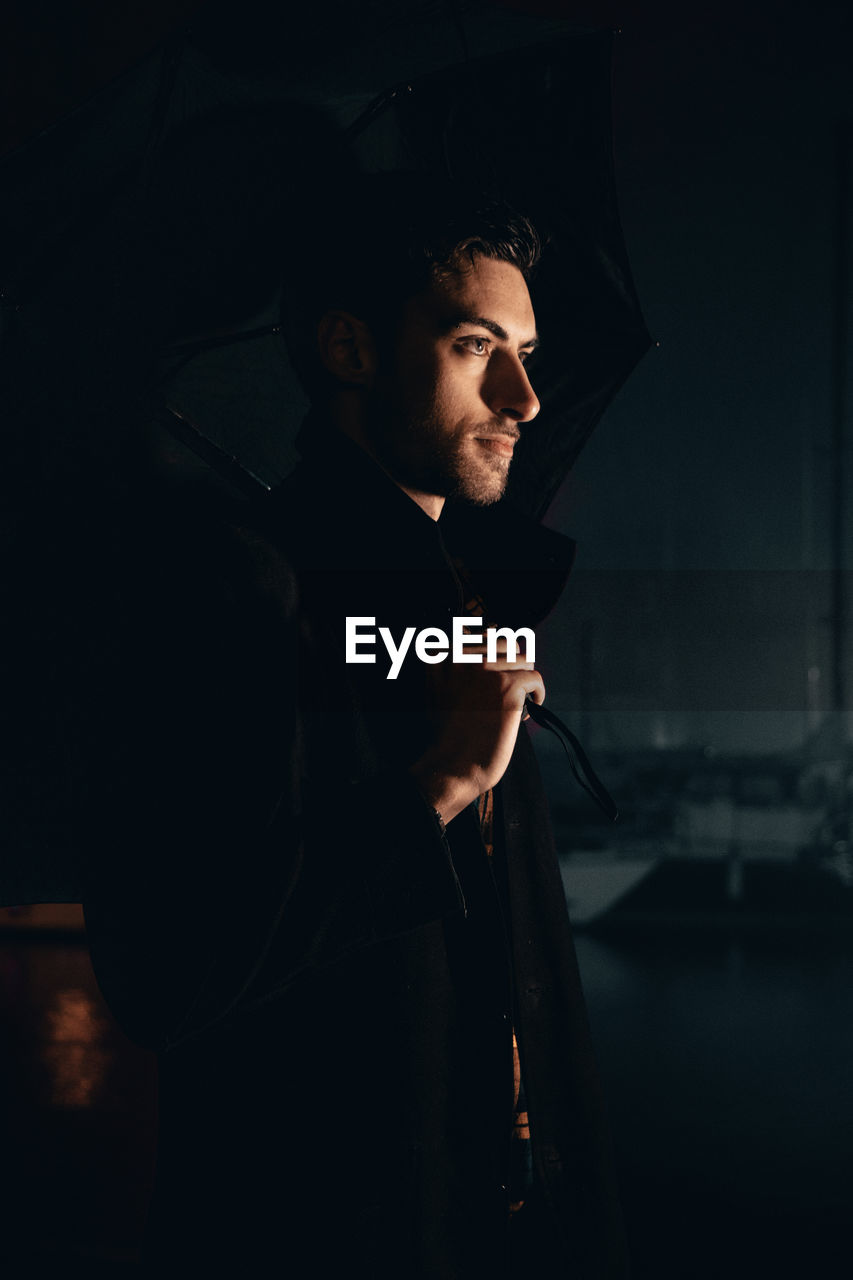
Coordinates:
384	240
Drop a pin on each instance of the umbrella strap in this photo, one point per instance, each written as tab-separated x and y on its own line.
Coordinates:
583	771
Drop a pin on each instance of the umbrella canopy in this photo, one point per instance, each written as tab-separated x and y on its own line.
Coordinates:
164	209
558	170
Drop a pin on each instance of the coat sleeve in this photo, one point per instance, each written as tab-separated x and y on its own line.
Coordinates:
217	874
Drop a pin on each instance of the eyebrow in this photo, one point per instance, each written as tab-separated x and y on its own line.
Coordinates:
483	322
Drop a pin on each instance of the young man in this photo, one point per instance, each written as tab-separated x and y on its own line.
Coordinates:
336	910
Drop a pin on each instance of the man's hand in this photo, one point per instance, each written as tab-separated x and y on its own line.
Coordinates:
477	710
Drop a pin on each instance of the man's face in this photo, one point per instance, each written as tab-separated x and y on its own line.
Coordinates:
445	418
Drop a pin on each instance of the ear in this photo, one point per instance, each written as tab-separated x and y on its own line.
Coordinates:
346	348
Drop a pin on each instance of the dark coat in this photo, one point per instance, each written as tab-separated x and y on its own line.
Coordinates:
331	982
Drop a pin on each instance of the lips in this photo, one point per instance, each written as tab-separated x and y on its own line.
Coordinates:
501	445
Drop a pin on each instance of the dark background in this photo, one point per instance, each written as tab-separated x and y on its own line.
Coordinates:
714	461
701	507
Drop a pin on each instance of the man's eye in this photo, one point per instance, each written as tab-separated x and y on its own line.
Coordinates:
478	346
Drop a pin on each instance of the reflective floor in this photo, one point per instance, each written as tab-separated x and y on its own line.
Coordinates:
728	1062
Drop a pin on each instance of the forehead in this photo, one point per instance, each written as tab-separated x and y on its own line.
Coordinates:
488	288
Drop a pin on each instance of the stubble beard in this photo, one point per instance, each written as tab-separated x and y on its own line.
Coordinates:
424	456
477	476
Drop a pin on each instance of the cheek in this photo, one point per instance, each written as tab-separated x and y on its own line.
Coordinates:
431	392
415	375
438	387
456	388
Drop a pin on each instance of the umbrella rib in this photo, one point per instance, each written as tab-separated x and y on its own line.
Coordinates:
375	108
187	351
220	460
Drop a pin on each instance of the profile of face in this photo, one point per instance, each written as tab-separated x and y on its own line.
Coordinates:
443	407
444	417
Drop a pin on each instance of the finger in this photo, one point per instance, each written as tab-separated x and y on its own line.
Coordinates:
501	650
504	664
501	662
527	684
536	692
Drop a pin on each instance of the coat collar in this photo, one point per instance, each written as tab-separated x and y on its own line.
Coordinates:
347	513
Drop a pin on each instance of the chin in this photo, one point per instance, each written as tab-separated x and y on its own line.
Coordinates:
464	476
481	490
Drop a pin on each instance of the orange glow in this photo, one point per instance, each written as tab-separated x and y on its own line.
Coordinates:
74	1054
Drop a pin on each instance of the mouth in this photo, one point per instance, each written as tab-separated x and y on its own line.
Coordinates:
501	445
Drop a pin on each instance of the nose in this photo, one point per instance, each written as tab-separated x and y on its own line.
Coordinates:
510	393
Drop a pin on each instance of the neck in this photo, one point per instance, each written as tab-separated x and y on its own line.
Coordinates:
348	415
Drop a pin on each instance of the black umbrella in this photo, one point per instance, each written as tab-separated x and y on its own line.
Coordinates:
557	169
162	209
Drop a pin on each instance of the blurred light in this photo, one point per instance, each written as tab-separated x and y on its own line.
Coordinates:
75	1053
